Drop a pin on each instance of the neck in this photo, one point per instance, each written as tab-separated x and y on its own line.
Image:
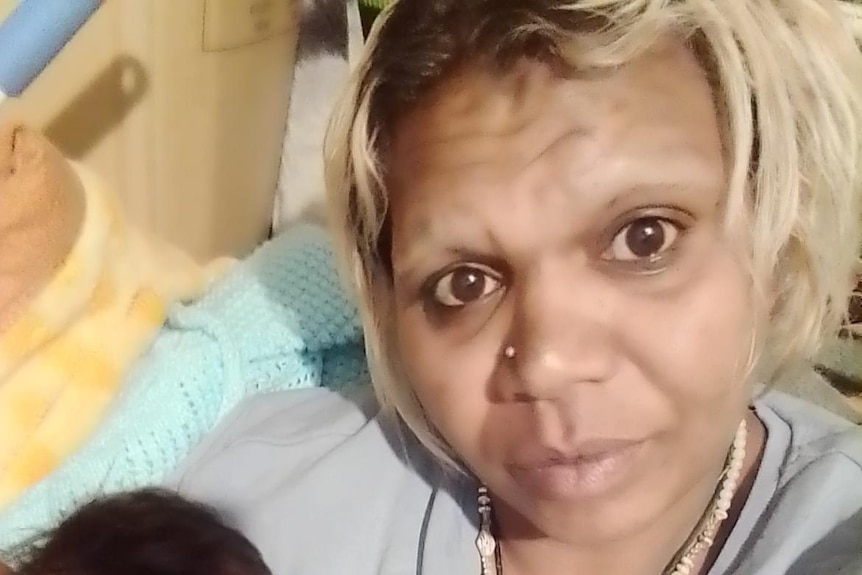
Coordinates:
646	551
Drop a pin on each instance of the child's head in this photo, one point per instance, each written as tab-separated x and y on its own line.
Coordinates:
150	532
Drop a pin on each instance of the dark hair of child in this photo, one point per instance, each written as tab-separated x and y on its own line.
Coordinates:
148	532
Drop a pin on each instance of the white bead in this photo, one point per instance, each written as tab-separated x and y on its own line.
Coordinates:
485	544
721	505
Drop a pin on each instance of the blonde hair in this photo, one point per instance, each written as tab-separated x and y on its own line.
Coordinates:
787	77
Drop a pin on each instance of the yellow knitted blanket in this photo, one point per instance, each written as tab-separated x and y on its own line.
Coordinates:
63	359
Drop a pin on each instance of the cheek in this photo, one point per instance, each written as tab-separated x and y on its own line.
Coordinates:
450	376
690	352
694	344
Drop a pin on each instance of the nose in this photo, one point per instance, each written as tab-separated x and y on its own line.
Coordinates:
562	333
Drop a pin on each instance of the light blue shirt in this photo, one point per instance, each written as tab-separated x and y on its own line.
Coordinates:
325	484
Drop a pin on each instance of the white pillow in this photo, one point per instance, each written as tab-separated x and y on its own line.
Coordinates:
321	70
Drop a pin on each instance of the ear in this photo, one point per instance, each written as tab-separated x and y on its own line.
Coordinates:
42	207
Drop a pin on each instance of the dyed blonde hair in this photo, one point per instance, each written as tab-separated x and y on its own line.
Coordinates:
787	80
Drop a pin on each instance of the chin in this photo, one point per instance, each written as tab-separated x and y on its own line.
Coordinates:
596	523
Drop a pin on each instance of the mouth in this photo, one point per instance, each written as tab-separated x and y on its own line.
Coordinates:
589	470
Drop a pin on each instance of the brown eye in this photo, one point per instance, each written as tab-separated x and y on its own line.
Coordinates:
643	239
465	285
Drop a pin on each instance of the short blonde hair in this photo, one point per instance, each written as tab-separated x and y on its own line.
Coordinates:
787	78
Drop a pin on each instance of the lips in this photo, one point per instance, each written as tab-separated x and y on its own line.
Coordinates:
589	469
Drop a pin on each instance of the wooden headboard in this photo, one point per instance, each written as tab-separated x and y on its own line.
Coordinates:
180	105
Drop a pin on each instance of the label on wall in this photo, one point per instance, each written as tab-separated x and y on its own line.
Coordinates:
236	23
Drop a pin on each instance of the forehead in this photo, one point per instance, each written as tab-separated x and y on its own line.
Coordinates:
477	126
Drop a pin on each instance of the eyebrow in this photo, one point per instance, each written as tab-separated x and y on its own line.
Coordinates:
428	232
685	188
428	229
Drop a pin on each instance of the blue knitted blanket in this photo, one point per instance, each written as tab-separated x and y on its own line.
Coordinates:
278	320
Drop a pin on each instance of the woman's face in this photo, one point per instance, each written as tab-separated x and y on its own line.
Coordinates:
580	222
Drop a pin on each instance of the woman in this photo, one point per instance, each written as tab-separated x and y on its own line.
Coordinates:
581	235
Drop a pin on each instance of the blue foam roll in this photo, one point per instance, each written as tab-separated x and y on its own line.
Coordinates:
33	34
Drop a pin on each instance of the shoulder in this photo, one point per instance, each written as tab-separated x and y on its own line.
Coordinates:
813	520
816	436
298	422
304	472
